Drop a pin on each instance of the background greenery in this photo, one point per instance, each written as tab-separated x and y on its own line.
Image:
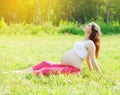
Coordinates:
53	11
58	16
63	28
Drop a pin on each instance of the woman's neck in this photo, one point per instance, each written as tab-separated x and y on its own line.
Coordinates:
86	37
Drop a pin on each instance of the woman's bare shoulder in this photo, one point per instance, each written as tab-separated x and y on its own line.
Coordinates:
90	44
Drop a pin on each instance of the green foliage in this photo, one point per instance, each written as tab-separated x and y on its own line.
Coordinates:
64	27
21	52
111	28
70	28
26	29
3	23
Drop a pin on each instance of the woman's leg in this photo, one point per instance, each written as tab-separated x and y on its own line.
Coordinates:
36	67
46	67
43	64
57	70
29	70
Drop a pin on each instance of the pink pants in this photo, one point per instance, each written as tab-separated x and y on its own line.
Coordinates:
46	67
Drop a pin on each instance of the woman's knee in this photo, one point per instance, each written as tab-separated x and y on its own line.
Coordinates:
46	63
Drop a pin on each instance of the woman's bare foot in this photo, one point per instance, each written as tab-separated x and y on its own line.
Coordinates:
29	70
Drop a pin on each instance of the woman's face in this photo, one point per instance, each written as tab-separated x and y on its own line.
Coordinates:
88	28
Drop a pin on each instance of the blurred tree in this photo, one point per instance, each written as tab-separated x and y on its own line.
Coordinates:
53	11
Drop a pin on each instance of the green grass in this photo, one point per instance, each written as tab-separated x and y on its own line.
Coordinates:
20	52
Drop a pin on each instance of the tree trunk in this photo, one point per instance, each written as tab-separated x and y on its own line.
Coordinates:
38	17
49	9
96	10
107	17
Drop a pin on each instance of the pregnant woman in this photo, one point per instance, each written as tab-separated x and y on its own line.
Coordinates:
71	61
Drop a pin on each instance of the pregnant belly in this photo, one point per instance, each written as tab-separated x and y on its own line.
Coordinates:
70	58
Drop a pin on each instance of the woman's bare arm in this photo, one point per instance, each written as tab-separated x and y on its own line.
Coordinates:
89	63
91	53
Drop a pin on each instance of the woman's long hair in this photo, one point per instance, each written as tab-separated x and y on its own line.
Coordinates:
95	37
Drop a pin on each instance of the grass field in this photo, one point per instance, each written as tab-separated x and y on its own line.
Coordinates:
20	52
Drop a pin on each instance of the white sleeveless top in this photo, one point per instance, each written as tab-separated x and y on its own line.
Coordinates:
80	50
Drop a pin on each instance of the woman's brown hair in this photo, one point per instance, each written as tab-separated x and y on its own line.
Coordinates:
95	37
